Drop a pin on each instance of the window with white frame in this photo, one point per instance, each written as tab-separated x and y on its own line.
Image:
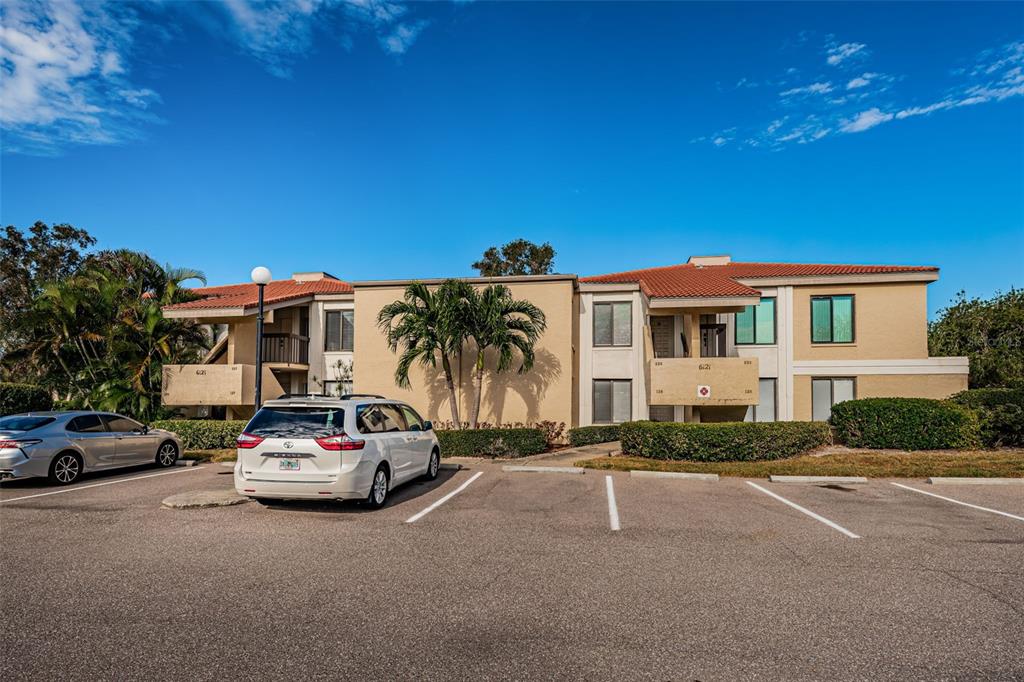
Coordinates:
338	330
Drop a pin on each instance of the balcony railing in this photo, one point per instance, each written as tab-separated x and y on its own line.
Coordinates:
286	348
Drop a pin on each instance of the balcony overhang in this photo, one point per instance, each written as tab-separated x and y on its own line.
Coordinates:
230	313
719	304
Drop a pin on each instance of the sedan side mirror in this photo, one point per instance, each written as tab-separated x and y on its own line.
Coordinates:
428	425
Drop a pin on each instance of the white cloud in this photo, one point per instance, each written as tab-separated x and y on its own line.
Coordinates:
865	120
840	53
62	75
869	100
402	37
860	81
812	89
65	65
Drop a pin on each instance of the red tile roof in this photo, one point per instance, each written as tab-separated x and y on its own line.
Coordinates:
247	295
709	281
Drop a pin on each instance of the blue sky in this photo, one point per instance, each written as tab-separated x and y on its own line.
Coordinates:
382	140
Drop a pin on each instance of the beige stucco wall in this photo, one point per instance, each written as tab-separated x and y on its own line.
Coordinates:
890	321
883	386
547	392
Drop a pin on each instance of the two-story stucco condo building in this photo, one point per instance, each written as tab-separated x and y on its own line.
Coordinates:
707	340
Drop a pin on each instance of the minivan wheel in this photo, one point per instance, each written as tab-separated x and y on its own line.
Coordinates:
434	466
378	489
65	468
167	455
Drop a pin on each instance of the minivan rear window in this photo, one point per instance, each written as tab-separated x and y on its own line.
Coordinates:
296	422
24	423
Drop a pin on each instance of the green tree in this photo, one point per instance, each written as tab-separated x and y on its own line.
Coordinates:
427	326
988	331
27	261
519	257
97	338
504	325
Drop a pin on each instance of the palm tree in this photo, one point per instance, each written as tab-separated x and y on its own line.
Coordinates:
498	321
427	326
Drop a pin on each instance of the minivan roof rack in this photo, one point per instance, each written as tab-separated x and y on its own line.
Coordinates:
285	396
349	396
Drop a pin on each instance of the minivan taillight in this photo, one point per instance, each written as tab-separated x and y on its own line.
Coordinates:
247	441
340	441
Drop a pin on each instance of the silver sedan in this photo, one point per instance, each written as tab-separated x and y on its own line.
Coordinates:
64	445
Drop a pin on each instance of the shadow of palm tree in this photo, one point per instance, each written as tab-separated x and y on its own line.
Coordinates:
531	387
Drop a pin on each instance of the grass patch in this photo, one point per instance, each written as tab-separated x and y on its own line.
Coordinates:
216	455
1007	463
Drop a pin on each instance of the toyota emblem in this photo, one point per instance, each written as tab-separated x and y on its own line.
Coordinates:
288	443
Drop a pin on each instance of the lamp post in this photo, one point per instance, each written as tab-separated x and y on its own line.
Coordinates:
261	276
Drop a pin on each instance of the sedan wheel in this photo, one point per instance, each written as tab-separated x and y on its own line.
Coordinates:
66	468
379	489
167	455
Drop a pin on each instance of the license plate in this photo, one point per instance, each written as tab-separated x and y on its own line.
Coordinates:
289	464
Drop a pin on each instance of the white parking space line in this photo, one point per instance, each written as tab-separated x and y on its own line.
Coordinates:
97	485
613	510
419	515
816	517
966	504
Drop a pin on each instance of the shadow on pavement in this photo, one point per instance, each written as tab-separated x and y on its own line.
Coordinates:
403	493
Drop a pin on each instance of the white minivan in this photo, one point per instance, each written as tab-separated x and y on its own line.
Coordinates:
351	448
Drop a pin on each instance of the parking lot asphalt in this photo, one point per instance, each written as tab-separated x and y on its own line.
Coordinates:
518	575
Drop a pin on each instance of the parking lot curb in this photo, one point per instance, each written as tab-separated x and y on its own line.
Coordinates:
817	479
640	473
198	499
186	462
450	466
544	470
958	480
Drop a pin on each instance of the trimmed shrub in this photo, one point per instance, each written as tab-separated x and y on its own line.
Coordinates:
520	442
1000	414
203	434
722	442
905	424
15	398
591	435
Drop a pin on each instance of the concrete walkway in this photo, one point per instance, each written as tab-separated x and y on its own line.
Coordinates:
570	455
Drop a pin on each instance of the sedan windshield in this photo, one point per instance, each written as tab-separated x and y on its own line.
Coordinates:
296	422
24	422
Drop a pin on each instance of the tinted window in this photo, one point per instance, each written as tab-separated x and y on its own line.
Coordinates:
87	423
22	423
121	424
379	418
297	422
393	419
412	419
832	319
369	419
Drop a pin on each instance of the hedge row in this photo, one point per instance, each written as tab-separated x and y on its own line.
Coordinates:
520	442
905	423
1000	414
590	435
203	434
16	398
730	441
